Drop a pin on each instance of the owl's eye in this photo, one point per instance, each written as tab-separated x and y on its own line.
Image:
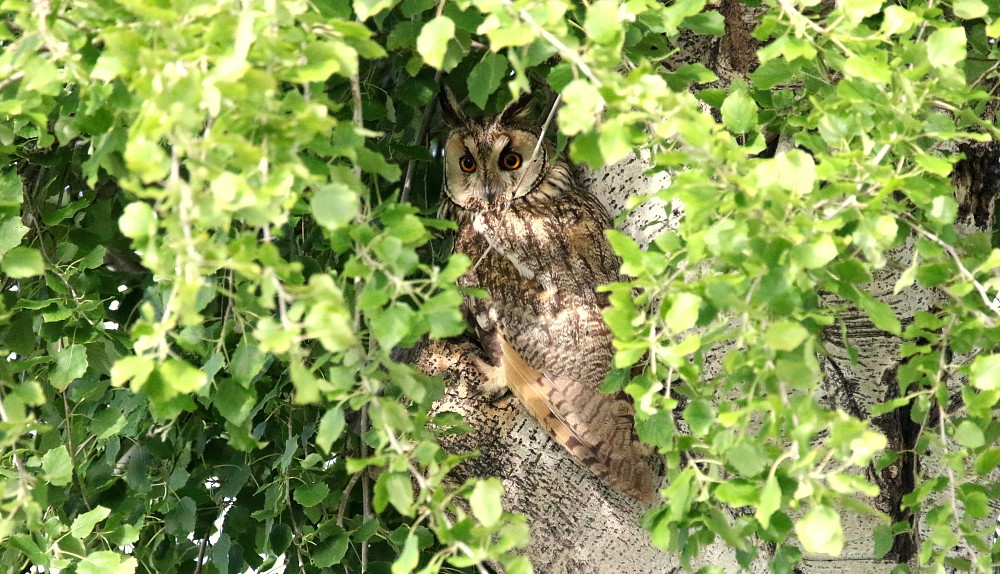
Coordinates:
467	163
510	160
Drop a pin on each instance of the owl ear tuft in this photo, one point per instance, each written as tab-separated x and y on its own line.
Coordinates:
451	111
517	110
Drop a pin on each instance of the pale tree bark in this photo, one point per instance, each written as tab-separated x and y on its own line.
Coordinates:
579	526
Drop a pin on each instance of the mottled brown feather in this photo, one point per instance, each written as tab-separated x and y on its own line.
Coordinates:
604	444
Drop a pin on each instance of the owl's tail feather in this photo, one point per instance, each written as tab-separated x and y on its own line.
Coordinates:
596	428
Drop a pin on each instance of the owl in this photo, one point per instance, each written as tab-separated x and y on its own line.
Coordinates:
536	240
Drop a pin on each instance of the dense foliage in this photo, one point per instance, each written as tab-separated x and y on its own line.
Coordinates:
216	222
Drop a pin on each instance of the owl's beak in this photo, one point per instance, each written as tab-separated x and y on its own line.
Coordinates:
493	191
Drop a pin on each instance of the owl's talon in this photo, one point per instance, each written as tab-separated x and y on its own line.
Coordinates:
493	387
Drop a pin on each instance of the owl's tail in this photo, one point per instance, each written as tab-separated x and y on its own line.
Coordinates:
596	428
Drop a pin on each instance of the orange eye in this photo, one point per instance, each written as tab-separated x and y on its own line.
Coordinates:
510	160
467	163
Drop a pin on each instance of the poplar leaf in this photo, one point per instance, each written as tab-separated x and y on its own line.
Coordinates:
820	531
946	47
739	112
485	501
432	43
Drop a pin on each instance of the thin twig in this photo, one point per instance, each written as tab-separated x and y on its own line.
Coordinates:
538	144
942	416
365	488
565	51
962	269
291	513
357	119
345	497
11	79
420	140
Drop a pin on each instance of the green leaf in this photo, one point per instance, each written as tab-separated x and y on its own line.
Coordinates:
785	335
798	171
394	488
816	253
247	361
739	112
709	23
581	102
881	314
182	377
71	364
23	262
907	277
872	68
233	401
146	159
408	558
984	373
280	537
993	30
970	9
11	233
182	519
987	461
334	205
432	43
770	502
311	494
25	544
683	312
883	536
84	524
485	501
330	428
898	20
138	221
107	423
486	77
820	531
737	493
969	435
365	9
602	22
748	458
106	562
135	369
946	47
943	210
57	466
858	10
332	550
699	416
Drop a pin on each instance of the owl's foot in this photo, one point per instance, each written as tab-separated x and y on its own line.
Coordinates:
493	387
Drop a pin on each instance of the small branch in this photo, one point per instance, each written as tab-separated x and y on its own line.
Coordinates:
420	140
357	119
942	416
950	250
365	487
572	55
291	514
538	144
346	495
11	79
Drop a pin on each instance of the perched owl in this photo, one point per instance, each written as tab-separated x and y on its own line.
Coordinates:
537	244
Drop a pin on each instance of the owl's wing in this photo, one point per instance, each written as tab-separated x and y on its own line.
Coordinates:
594	427
542	326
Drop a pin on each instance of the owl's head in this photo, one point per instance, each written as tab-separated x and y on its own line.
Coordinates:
488	161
